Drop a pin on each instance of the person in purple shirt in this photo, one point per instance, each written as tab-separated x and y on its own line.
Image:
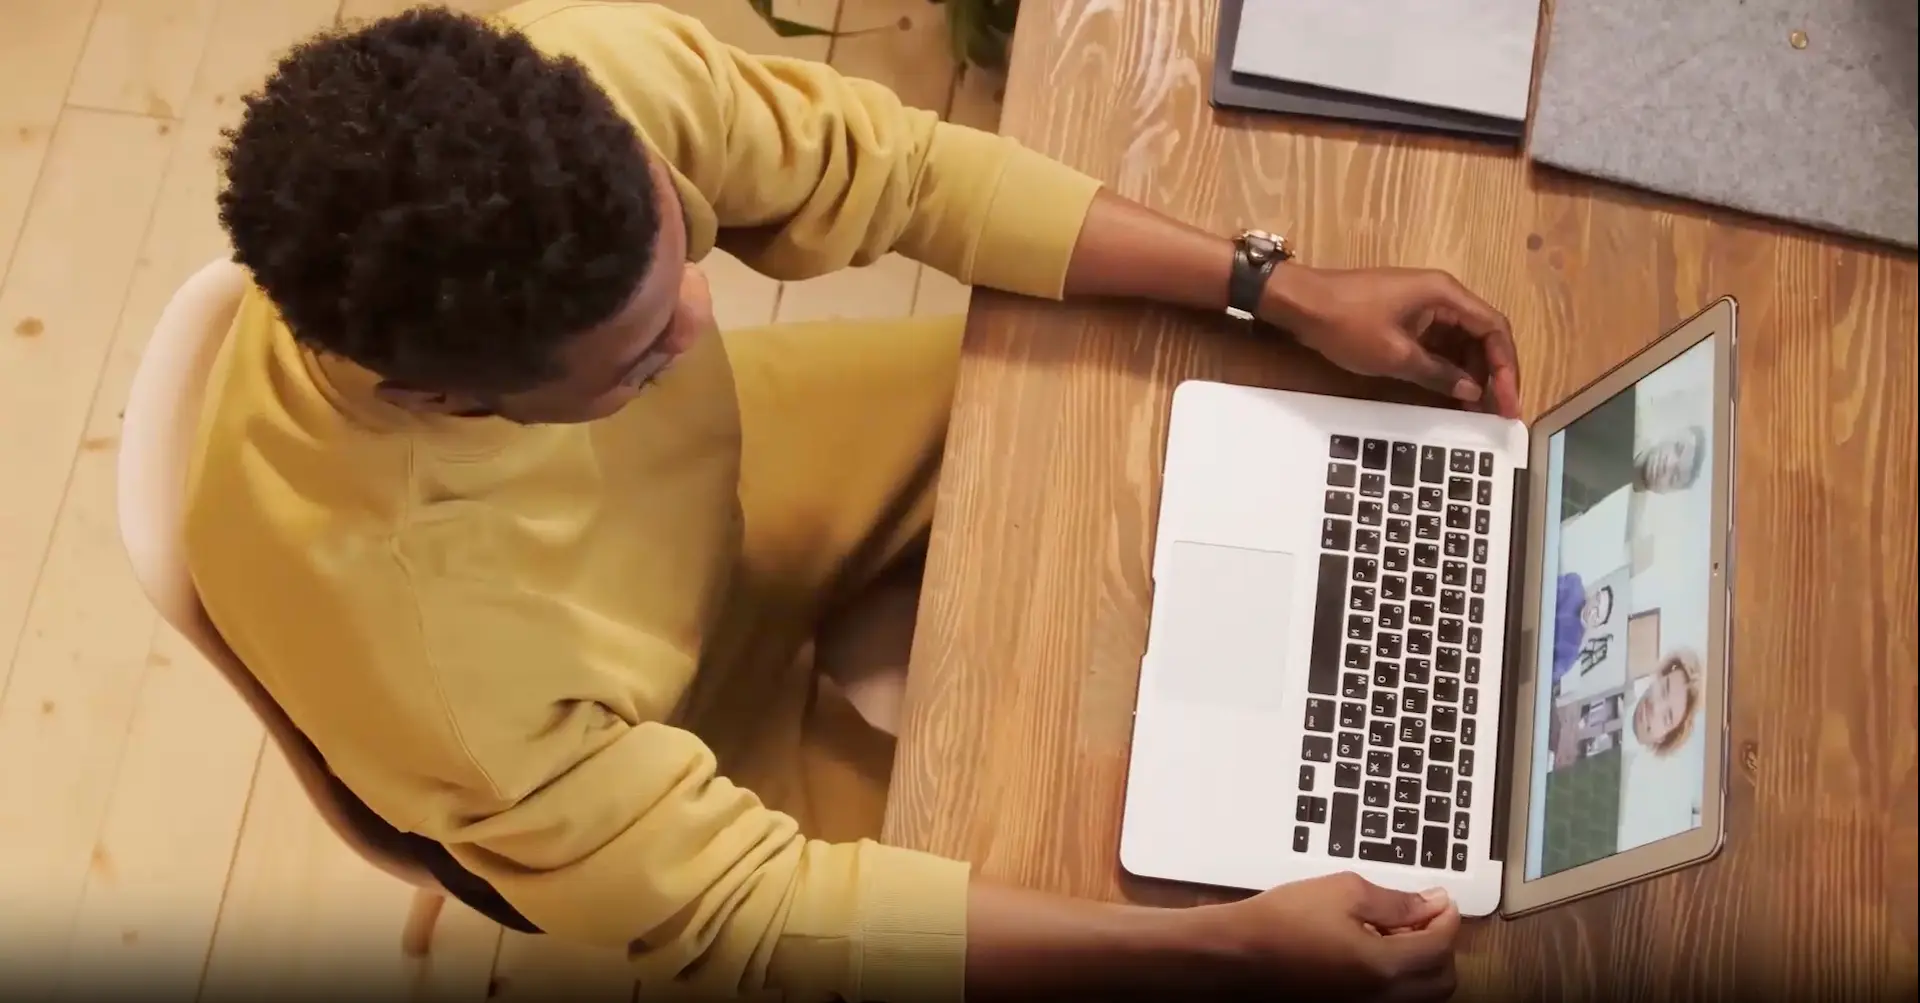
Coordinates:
1574	613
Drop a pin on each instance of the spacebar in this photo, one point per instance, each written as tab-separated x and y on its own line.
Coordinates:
1329	613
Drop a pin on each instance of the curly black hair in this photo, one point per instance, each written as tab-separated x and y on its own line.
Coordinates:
435	199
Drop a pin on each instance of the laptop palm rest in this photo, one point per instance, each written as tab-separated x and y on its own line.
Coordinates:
1221	626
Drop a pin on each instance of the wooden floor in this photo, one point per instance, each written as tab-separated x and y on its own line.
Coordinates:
145	832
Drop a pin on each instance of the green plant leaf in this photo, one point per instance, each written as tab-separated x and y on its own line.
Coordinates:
784	27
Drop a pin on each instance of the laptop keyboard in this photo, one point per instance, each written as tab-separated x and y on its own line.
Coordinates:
1394	682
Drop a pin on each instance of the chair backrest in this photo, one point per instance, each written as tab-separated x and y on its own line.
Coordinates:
156	445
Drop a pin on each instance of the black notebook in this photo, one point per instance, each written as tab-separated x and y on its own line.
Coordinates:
1245	92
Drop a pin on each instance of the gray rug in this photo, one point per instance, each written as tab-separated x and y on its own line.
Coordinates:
1712	100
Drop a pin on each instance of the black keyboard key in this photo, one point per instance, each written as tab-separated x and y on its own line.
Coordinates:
1483	493
1307	808
1416	671
1358	656
1420	613
1425	584
1430	499
1413	730
1366	541
1386	675
1373	825
1480	550
1404	461
1459	825
1469	729
1406	821
1433	846
1317	748
1453	574
1440	778
1373	485
1413	700
1349	745
1426	527
1379	763
1393	587
1379	853
1476	610
1346	818
1465	766
1300	838
1409	758
1458	488
1346	776
1455	545
1380	733
1486	465
1339	502
1447	660
1359	627
1353	715
1373	454
1433	464
1444	718
1388	645
1459	516
1459	856
1399	531
1344	447
1385	703
1446	689
1438	809
1342	475
1306	777
1482	521
1419	642
1393	616
1320	715
1464	794
1478	581
1353	685
1323	660
1440	749
1335	534
1406	790
1470	702
1370	513
1400	503
1475	640
1450	630
1460	461
1453	602
1473	670
1426	555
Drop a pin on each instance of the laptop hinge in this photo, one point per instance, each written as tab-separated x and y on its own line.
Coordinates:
1518	647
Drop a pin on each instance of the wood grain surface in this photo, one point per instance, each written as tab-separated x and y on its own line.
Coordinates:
1035	606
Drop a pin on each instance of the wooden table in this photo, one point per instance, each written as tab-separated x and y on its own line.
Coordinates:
1034	613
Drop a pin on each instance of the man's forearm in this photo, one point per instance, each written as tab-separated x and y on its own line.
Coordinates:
1128	250
1030	946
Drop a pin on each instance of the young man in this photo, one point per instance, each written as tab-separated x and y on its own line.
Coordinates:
544	547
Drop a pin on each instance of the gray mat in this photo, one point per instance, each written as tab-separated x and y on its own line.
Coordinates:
1709	100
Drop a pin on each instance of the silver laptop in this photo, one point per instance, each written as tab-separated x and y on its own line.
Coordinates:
1442	648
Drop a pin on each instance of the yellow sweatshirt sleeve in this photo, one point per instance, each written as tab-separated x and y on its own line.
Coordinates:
805	171
605	827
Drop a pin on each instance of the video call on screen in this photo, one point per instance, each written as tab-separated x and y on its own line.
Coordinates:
1619	750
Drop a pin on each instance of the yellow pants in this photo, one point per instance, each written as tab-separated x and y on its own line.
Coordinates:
842	430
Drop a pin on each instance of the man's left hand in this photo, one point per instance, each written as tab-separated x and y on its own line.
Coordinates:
1416	325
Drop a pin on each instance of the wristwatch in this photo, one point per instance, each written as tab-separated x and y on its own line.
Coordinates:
1255	255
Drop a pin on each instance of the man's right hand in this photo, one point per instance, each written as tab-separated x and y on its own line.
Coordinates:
1341	937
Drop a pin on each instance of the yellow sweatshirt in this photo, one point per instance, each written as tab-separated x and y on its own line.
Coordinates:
504	637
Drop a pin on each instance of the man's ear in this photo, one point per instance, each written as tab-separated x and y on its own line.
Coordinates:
427	401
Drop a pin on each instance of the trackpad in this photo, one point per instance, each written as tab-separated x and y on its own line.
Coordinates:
1220	626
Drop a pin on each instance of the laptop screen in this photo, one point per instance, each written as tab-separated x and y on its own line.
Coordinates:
1621	761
